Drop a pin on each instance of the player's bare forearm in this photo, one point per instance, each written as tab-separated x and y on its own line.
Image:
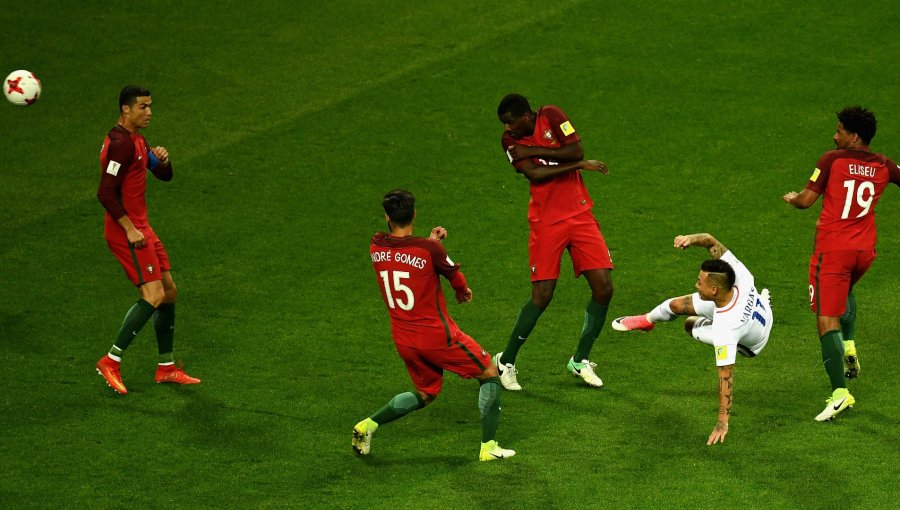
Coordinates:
716	249
564	153
540	173
801	200
726	394
135	236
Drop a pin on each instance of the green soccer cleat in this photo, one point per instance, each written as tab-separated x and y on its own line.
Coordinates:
362	436
585	370
492	451
851	360
840	400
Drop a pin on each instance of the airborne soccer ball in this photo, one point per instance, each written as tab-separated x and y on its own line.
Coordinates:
22	88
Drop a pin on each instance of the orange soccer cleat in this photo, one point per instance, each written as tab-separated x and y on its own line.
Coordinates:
173	374
110	370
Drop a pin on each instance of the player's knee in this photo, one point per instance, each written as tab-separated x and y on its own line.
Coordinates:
170	295
689	325
541	296
153	294
425	398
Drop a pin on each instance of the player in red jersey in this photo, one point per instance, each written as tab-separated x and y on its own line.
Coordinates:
124	160
408	270
544	147
851	179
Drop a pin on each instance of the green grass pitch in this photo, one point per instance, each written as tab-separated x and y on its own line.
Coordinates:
287	121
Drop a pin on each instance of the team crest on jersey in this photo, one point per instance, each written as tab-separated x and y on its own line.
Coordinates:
150	268
548	135
533	269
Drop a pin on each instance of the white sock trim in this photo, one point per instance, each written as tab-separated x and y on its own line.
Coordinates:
166	363
114	357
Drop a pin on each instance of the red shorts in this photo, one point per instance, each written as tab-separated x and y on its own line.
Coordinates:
579	234
463	357
831	276
142	265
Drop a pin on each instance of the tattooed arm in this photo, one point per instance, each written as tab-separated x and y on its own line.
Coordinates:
726	391
716	249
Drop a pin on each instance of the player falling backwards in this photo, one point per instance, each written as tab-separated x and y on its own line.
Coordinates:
726	312
409	271
851	179
124	161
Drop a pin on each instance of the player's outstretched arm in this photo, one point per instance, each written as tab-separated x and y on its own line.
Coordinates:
540	173
716	249
801	200
726	392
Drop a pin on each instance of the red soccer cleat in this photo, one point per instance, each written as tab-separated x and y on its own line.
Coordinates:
110	370
633	322
173	374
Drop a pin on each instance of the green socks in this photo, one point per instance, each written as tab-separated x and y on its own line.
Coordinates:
137	316
489	405
528	317
848	320
164	324
399	406
594	318
833	358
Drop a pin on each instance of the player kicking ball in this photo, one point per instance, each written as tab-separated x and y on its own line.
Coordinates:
726	312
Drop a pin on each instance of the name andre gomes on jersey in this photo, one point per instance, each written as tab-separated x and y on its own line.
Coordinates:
403	258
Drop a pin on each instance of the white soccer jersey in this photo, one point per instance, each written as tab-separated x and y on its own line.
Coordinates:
742	325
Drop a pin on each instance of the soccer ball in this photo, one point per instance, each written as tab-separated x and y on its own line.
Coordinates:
22	88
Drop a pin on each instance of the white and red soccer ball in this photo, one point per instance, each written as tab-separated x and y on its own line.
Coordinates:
22	88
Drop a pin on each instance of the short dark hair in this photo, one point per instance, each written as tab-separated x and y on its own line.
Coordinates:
514	104
721	268
130	94
400	206
859	120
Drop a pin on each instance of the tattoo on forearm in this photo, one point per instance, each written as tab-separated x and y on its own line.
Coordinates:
726	390
687	305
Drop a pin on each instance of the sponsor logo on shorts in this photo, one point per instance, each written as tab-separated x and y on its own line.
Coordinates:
150	268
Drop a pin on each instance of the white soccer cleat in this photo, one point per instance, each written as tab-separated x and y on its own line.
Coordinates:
492	451
507	374
585	370
840	400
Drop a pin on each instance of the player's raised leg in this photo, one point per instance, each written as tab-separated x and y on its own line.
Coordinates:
396	408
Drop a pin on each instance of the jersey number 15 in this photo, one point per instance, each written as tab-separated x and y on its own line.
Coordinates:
398	287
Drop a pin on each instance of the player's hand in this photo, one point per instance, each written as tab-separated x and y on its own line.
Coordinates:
718	433
464	297
161	154
438	233
595	165
789	197
682	242
517	152
136	238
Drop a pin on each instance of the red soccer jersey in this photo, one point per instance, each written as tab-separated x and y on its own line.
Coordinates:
123	161
565	195
852	182
408	271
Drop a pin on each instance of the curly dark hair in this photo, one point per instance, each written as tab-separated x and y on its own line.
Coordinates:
723	273
859	120
514	104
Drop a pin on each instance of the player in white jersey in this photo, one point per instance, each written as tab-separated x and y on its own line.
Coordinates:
726	312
